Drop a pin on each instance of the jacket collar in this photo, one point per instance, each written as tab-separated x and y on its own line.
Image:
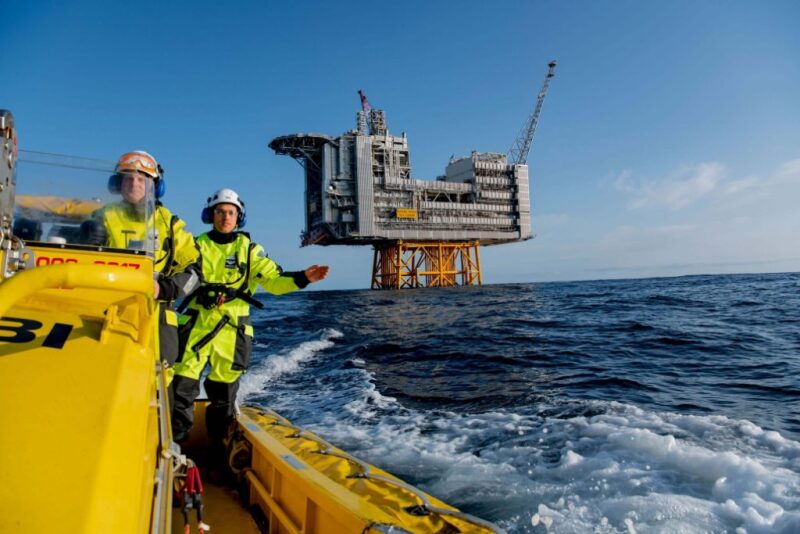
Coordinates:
222	239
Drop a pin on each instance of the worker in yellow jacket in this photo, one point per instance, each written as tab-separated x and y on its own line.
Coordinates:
139	179
216	329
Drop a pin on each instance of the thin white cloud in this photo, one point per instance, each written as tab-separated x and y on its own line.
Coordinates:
686	187
738	186
758	195
706	180
623	182
739	223
790	169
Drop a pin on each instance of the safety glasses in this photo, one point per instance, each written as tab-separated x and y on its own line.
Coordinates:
138	162
222	212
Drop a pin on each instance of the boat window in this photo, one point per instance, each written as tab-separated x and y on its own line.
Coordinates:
66	200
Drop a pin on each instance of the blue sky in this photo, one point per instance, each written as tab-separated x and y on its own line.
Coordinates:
668	143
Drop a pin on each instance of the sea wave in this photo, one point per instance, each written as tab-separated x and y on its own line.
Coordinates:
660	405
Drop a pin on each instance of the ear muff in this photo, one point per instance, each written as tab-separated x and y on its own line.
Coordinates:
161	184
241	219
207	216
161	188
115	183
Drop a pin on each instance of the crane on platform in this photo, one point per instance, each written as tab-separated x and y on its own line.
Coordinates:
363	115
365	107
518	154
374	118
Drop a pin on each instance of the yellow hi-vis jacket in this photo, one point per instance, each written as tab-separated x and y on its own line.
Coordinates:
175	261
216	326
176	248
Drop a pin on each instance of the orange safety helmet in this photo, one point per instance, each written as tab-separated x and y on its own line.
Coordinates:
140	161
137	161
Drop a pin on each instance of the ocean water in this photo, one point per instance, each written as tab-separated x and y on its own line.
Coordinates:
656	405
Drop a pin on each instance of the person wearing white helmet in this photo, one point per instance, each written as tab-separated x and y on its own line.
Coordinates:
215	328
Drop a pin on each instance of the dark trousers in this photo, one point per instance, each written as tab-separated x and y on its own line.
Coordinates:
167	334
218	415
167	342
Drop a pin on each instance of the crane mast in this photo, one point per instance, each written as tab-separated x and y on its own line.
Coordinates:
518	154
374	118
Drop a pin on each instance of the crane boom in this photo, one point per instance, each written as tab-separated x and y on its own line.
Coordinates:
518	154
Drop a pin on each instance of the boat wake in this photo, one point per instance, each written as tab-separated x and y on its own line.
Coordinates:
283	363
570	466
541	419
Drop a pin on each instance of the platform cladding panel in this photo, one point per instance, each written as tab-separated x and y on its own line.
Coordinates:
359	190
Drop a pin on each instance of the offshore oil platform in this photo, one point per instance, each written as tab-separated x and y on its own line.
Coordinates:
359	191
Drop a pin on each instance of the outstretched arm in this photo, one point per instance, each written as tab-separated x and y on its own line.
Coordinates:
277	281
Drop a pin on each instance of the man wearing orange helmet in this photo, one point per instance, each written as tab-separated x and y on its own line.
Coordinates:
138	178
218	331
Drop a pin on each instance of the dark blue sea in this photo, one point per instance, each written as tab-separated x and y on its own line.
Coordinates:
654	405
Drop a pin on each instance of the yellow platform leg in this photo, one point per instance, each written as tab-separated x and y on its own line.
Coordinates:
403	265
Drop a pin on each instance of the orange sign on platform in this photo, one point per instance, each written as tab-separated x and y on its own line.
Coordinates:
406	213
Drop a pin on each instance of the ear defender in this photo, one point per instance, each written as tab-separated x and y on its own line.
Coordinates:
115	183
206	216
241	219
161	184
161	188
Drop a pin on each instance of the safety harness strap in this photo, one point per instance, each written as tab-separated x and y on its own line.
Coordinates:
206	339
210	295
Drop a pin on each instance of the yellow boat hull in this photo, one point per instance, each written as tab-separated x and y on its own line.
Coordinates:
86	444
79	435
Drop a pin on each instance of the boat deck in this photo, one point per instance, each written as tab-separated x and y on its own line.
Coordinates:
223	509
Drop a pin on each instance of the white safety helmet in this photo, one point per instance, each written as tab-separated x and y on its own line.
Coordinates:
224	196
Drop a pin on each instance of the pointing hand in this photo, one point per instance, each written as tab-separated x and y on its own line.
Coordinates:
315	273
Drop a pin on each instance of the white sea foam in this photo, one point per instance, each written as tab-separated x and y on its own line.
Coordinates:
627	470
284	363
